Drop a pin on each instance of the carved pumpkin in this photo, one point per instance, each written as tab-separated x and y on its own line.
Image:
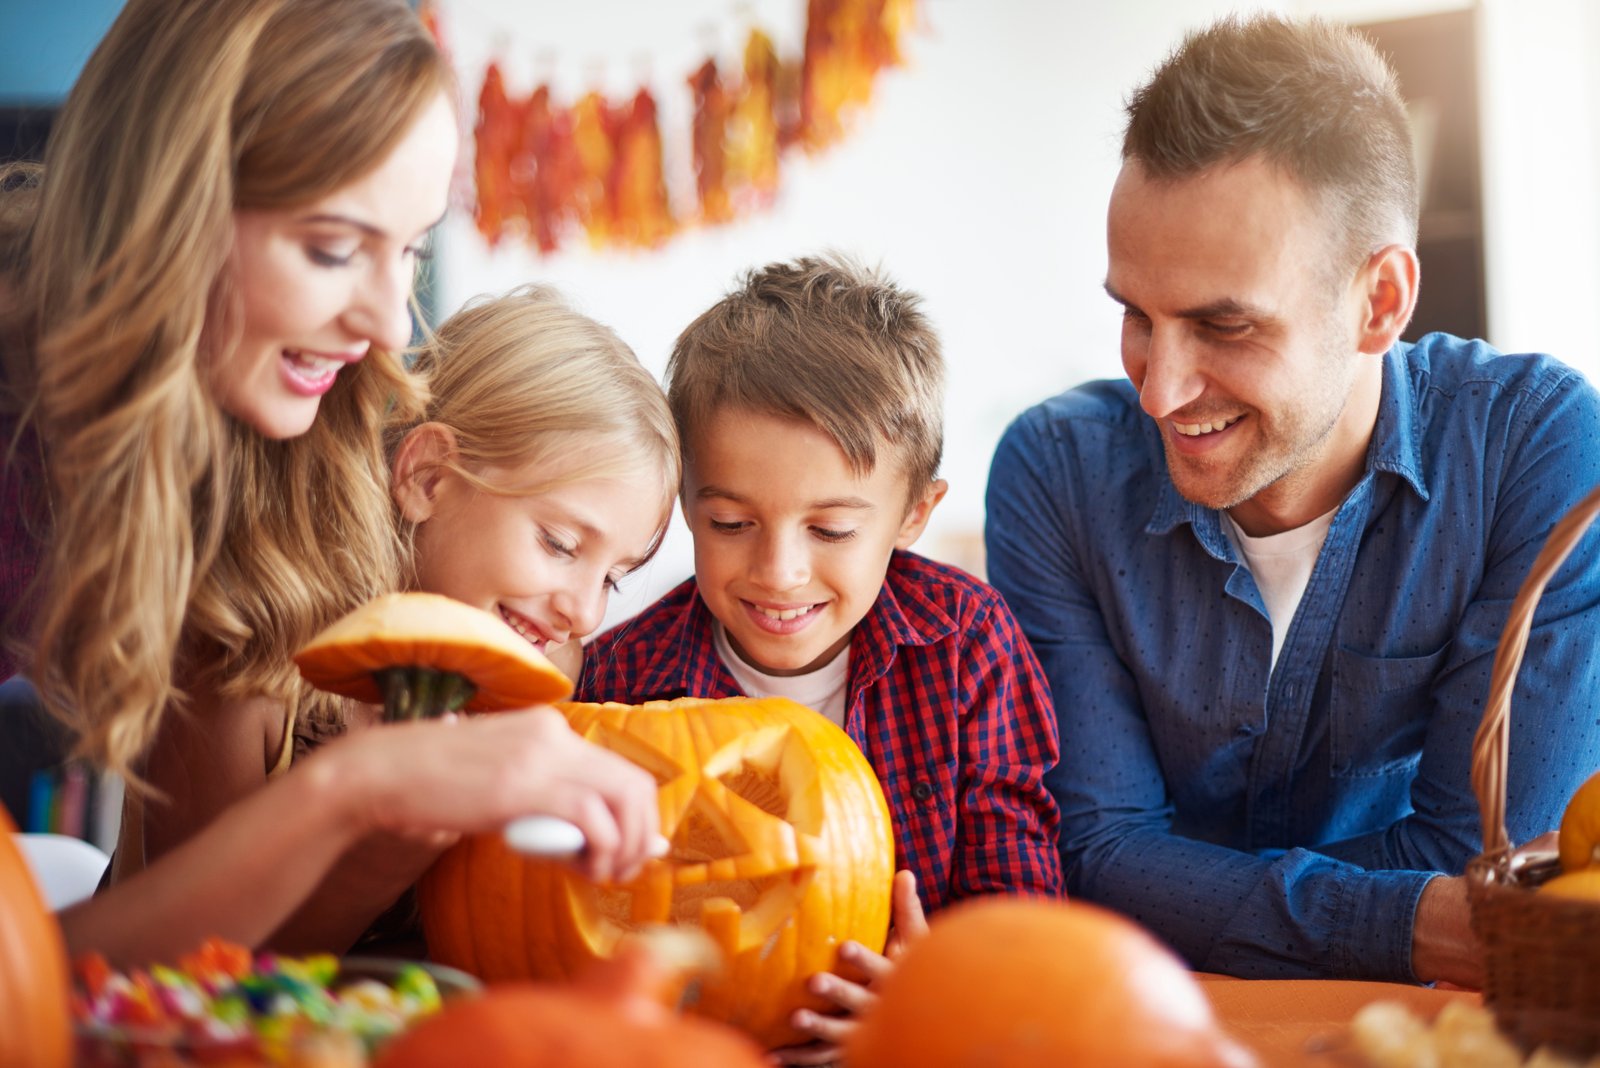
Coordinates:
780	850
421	655
614	1017
35	1029
1035	983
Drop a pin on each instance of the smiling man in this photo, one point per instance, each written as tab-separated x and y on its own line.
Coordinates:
1265	574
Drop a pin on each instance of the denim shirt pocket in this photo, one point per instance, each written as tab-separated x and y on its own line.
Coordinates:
1378	710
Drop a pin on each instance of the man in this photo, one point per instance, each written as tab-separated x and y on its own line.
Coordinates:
1266	575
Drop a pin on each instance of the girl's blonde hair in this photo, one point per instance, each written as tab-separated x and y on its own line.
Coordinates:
182	546
524	381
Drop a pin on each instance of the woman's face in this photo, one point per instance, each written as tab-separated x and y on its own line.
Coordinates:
321	284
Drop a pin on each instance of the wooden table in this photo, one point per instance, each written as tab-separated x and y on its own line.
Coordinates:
1300	1023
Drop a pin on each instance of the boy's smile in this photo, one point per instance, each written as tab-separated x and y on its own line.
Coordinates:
790	544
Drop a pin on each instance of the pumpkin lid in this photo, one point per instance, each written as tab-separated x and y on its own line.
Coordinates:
431	631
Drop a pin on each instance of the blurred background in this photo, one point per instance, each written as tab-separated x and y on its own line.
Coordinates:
977	175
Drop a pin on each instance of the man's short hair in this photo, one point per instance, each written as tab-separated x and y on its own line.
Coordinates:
1312	97
825	341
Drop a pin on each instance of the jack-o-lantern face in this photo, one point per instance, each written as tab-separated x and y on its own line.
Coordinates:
780	850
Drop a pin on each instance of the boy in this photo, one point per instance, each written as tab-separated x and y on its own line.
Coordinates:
809	406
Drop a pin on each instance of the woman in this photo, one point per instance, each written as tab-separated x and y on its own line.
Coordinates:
204	298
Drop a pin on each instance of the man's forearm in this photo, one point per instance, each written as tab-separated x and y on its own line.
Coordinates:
1443	945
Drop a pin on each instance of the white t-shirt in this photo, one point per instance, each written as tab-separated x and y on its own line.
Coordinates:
1281	565
821	690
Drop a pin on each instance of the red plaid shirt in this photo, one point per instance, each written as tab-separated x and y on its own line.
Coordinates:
945	698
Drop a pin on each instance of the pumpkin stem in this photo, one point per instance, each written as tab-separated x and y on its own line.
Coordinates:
421	692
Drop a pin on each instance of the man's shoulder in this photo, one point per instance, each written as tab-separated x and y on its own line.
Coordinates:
1096	429
1451	366
1104	406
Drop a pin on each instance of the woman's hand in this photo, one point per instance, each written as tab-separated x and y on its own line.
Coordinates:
466	774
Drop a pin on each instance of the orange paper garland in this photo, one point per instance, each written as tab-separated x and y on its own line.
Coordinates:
545	172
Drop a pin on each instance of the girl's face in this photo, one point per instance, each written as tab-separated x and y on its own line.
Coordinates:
320	285
545	562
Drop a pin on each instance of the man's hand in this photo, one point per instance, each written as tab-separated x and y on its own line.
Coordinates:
1443	946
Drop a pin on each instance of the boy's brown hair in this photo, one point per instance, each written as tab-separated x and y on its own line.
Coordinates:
825	341
1312	97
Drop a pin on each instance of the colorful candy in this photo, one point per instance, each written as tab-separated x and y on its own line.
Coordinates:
223	1006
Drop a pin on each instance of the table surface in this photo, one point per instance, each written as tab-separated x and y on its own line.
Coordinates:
1301	1023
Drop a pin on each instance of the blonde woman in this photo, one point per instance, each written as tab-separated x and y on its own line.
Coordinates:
203	296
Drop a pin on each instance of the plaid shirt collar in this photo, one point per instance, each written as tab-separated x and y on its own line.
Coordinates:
903	614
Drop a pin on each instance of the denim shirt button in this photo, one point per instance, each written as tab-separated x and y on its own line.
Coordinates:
1244	730
921	790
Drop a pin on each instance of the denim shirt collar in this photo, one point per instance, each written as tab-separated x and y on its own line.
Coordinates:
1395	448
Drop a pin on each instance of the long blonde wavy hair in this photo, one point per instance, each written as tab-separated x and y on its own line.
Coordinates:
523	381
183	547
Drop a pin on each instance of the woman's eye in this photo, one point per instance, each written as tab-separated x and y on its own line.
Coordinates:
423	250
613	583
1228	329
726	528
324	258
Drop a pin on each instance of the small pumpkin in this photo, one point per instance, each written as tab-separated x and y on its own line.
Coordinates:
35	1025
1579	842
614	1017
1581	885
1035	983
422	655
780	849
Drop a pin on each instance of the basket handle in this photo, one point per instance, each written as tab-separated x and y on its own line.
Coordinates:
1489	745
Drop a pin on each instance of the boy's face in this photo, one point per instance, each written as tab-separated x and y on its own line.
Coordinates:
790	545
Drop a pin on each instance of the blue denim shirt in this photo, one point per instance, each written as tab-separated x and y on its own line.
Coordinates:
1282	822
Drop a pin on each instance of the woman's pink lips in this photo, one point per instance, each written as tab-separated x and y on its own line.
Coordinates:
307	385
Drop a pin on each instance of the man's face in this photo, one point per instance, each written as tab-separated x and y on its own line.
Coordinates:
1240	335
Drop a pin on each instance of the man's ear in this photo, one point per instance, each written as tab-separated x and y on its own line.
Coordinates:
419	465
916	520
1388	286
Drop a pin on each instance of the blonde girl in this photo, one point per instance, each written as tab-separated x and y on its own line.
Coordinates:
541	473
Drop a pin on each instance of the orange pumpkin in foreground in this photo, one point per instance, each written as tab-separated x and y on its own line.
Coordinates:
1031	983
780	850
614	1017
35	1028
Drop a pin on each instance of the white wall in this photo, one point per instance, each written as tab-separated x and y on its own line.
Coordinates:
979	178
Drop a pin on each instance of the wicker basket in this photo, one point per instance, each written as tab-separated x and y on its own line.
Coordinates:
1542	953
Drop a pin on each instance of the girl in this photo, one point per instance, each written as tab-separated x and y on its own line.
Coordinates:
200	300
542	471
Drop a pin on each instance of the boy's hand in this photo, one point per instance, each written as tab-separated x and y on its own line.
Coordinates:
853	994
